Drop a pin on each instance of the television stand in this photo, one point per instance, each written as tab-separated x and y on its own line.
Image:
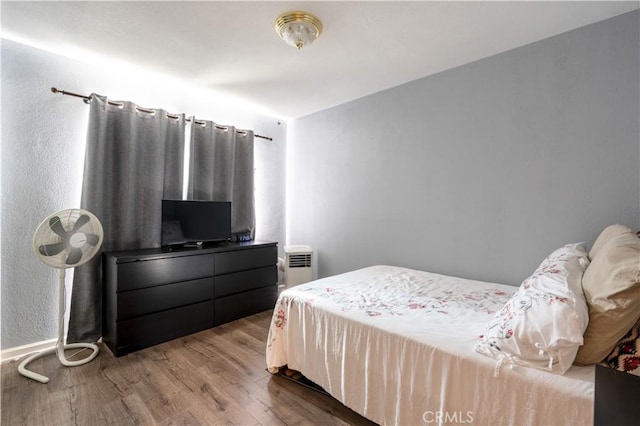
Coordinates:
193	245
151	296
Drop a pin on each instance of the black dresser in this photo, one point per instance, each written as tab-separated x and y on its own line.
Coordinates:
616	397
155	295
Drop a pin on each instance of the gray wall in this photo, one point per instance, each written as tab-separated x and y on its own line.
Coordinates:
43	138
479	171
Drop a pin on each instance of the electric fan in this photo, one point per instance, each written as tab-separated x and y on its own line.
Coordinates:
65	239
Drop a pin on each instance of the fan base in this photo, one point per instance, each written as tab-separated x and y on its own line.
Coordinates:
22	367
60	345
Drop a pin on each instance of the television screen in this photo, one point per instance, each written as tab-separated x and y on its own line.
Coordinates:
188	221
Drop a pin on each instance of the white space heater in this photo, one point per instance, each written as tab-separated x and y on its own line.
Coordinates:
298	265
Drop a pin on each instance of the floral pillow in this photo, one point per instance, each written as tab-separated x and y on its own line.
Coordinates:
625	356
542	325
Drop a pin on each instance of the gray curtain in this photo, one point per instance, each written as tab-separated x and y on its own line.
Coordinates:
134	159
221	169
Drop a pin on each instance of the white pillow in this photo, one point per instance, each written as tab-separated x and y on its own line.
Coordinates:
542	325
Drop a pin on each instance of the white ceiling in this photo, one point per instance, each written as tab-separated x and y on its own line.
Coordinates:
232	47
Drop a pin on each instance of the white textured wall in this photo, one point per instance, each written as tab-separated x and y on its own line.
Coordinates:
479	171
43	137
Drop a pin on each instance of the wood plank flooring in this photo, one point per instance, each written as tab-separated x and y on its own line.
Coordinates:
216	376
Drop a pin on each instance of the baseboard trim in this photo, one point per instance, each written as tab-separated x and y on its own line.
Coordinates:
20	351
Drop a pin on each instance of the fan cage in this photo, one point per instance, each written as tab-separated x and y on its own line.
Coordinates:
44	235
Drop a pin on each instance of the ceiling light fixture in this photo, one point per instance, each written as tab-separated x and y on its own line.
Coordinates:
298	29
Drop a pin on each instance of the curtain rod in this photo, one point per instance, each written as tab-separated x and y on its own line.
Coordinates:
87	99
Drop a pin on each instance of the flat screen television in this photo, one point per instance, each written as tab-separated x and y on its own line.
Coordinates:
189	222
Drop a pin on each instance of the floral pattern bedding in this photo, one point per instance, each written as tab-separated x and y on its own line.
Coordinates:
407	292
396	345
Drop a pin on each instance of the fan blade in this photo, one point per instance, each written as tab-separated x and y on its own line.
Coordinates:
82	220
56	226
74	256
92	239
51	249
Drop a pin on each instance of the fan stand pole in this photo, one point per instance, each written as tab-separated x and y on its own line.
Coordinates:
60	345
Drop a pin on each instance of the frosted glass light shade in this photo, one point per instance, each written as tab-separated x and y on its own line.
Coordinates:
298	29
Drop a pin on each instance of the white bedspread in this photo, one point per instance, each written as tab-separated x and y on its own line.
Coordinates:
396	345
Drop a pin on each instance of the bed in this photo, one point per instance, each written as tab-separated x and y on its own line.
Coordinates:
407	347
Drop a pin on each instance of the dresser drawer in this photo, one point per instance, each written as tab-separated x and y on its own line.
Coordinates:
160	298
246	280
243	304
149	330
149	273
241	260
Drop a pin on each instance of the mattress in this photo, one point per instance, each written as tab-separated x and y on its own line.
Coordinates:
396	346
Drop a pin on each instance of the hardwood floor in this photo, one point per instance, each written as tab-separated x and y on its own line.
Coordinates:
216	376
